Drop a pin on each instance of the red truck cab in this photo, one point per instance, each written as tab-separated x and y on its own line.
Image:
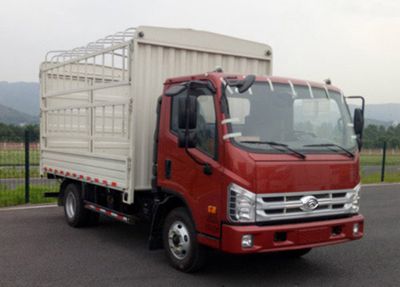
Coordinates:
261	164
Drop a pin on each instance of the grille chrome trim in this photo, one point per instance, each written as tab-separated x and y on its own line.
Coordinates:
282	206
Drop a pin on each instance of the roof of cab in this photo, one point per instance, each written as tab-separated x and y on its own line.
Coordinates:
215	76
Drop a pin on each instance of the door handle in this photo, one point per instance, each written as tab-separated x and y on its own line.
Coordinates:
207	169
168	168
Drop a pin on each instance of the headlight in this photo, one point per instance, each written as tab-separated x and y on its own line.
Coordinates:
355	204
241	204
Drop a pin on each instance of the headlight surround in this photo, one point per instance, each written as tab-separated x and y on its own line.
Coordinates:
355	204
241	204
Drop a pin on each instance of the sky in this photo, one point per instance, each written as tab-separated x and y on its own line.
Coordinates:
355	43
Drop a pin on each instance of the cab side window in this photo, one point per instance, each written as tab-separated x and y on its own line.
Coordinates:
206	122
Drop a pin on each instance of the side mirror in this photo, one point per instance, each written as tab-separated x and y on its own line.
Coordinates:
242	85
358	122
246	83
187	113
187	121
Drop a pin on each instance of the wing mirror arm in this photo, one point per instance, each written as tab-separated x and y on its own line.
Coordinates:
242	85
362	99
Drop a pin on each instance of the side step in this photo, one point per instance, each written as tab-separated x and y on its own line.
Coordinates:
110	213
51	194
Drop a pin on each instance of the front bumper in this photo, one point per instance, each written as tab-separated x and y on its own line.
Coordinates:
291	236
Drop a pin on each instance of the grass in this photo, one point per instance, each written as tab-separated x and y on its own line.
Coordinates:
18	156
18	172
375	159
376	178
17	196
12	163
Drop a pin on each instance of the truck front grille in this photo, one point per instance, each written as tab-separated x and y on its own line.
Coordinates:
282	206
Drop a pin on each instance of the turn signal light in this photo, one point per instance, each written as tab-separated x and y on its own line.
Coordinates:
212	209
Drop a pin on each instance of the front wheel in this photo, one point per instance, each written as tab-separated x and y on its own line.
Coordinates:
180	242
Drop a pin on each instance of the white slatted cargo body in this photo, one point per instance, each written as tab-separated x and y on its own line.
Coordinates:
98	102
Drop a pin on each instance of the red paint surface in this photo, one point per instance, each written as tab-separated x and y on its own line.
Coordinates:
260	173
302	235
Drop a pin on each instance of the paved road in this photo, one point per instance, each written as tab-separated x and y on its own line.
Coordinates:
37	248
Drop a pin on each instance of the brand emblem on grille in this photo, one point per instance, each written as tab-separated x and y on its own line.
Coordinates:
308	203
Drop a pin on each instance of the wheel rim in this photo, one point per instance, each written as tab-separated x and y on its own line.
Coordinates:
179	240
70	205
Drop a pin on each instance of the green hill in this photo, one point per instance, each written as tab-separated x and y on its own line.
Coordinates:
14	117
20	96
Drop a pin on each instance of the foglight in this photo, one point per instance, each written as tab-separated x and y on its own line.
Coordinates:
247	241
356	228
241	204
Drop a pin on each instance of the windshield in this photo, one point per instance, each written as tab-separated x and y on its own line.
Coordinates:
301	117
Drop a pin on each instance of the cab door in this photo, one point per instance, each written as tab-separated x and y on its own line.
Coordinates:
188	177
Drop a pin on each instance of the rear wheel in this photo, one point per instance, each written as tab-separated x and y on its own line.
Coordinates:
75	213
180	242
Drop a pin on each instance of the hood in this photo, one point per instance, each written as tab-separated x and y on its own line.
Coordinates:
318	172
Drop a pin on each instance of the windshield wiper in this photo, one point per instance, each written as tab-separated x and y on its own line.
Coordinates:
276	145
348	153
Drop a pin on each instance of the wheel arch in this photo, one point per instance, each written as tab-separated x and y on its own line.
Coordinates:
63	186
162	206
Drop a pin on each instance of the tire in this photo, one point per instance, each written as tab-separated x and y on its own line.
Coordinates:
180	242
75	213
296	253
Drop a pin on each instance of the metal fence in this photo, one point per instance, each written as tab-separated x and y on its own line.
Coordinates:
380	165
20	181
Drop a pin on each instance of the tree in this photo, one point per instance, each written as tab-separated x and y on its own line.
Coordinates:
12	133
374	136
